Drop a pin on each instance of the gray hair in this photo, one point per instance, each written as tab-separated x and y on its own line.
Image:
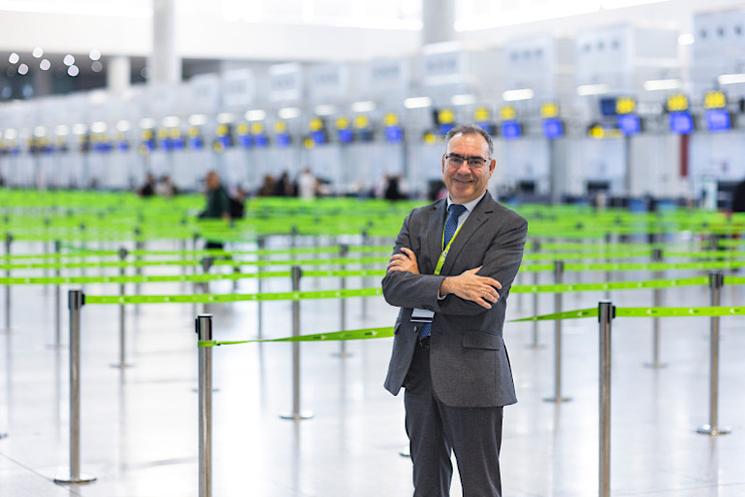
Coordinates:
471	129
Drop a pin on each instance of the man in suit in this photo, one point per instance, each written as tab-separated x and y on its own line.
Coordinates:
450	274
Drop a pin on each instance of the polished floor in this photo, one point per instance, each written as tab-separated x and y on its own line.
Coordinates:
139	425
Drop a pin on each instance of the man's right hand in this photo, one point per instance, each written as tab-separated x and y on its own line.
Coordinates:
470	286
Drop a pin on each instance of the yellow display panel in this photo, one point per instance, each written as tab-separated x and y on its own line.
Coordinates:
481	114
315	124
222	130
361	121
342	123
390	119
677	103
549	110
507	113
715	100
257	128
625	105
446	116
243	129
280	127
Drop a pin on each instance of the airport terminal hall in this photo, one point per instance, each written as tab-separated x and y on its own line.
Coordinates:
372	248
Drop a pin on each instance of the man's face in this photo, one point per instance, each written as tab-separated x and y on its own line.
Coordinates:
213	181
464	182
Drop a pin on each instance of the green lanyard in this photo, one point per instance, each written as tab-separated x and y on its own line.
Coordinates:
445	250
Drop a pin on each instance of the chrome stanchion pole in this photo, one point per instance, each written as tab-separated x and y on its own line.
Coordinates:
536	297
8	243
261	244
75	302
607	273
138	259
365	279
204	332
606	313
296	414
656	302
716	282
122	364
206	266
58	297
343	253
558	279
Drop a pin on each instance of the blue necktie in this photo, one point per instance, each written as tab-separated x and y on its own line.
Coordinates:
451	225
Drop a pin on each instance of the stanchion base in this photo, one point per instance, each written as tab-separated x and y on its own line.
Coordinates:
713	432
82	479
653	365
297	417
557	401
122	366
342	355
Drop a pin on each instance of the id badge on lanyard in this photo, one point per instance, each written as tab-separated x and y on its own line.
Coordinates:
425	315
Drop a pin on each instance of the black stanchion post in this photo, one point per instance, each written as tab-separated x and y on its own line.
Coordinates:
343	253
122	364
138	260
57	297
261	244
606	313
293	236
47	250
207	263
204	332
8	244
365	279
75	302
297	414
657	257
716	282
608	238
536	298
558	279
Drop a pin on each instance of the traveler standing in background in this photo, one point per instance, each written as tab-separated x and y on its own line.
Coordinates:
453	264
307	185
218	204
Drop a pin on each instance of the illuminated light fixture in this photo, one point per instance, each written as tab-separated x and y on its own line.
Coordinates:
45	65
463	99
73	71
123	126
23	69
96	66
325	110
14	58
363	106
11	134
68	60
225	118
171	121
37	52
588	90
61	130
686	39
662	84
197	120
94	54
147	123
98	127
289	113
417	102
519	94
79	129
255	115
40	131
731	79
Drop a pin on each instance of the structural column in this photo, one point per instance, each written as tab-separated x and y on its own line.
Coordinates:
118	69
164	64
438	21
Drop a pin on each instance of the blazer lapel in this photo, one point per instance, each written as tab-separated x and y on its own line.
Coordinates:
433	238
470	227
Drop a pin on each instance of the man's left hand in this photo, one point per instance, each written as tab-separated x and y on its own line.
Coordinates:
405	261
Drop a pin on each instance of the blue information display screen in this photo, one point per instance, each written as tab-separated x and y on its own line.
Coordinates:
553	128
318	137
681	122
718	120
261	140
511	130
283	140
394	134
345	135
444	128
196	142
246	141
629	124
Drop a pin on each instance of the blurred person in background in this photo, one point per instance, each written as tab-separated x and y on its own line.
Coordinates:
267	186
165	187
283	187
218	204
148	188
307	185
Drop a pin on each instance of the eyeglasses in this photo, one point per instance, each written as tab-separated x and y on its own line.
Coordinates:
455	160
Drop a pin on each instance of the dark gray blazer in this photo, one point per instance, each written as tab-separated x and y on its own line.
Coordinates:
468	358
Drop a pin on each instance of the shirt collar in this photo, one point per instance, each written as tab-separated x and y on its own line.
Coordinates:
468	205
